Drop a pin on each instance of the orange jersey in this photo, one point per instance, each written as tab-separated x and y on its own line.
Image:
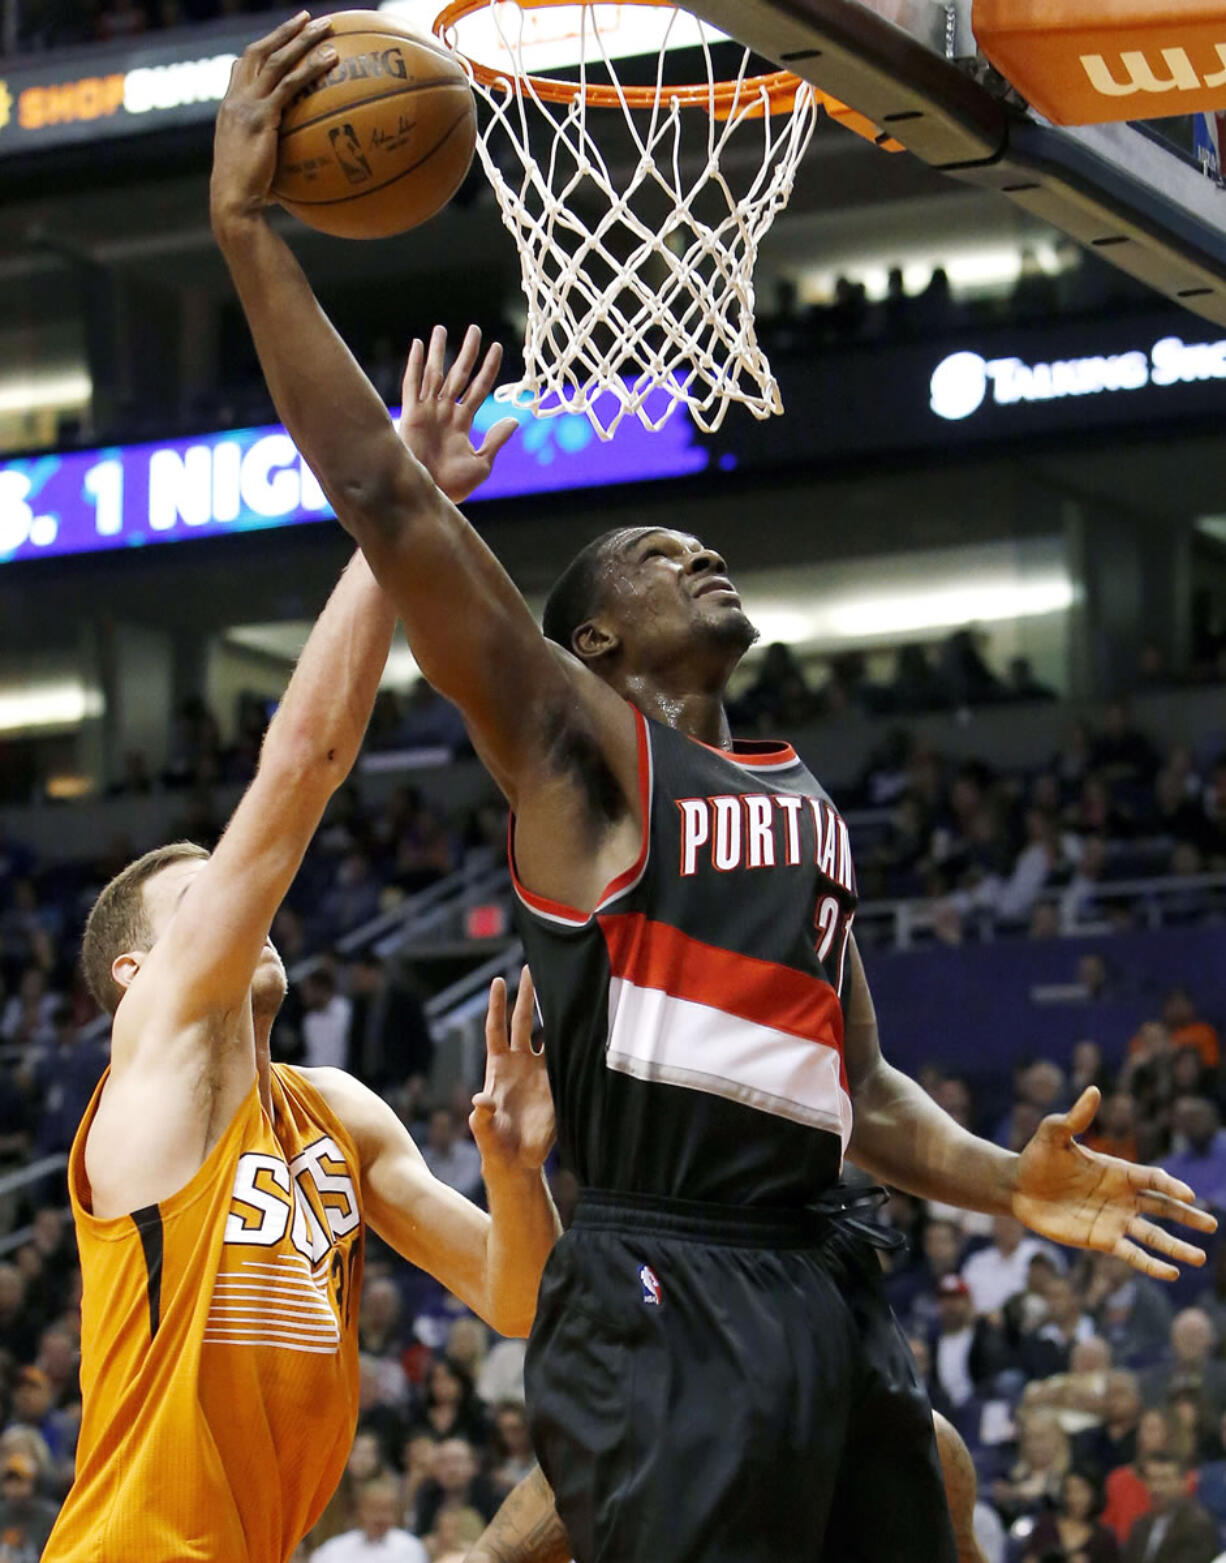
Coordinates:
219	1346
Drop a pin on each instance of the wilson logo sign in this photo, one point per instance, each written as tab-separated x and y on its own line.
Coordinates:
1086	61
1137	73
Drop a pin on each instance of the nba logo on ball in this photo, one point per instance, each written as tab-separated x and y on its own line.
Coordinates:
652	1292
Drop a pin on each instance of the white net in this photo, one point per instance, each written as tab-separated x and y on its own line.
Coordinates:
637	253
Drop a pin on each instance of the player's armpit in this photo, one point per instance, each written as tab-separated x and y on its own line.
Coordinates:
526	1528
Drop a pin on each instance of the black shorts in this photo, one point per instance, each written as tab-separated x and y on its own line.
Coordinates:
724	1386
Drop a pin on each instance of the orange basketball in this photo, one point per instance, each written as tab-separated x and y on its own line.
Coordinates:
384	140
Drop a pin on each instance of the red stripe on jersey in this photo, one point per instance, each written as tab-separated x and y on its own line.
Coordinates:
766	752
656	955
571	914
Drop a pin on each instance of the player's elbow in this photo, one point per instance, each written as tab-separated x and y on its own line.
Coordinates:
297	761
380	502
510	1309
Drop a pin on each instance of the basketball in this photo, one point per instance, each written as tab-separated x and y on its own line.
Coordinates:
384	140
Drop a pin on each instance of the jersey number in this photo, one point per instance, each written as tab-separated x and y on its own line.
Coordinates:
833	932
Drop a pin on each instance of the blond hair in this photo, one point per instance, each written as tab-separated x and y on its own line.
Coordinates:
1044	1419
119	922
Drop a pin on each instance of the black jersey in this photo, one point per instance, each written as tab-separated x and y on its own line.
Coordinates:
694	1021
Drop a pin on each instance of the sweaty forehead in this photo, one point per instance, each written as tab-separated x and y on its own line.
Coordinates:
628	540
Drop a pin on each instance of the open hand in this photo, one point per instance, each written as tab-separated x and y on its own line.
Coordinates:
1076	1196
436	419
264	80
512	1118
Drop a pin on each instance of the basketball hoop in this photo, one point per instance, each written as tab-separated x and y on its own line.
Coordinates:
639	289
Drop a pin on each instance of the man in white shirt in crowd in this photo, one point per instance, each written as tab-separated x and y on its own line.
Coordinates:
450	1156
966	1352
997	1273
378	1538
325	1022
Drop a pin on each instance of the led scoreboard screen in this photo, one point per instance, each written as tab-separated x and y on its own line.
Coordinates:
246	479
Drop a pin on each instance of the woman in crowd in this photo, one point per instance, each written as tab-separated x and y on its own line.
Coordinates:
450	1407
1073	1530
1195	1435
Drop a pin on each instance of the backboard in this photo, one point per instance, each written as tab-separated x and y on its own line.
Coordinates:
1129	192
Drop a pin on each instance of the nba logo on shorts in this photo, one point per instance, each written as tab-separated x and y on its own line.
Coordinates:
652	1292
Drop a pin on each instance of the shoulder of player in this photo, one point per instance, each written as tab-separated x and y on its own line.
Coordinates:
369	1121
586	731
348	1098
590	693
577	700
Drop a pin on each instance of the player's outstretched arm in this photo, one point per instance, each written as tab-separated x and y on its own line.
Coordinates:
182	1050
1057	1187
469	628
526	1528
203	964
491	1262
900	1135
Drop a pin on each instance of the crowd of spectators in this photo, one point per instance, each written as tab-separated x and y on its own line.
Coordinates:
1042	852
239	397
953	675
993	850
199	759
57	24
1093	1399
981	851
1077	284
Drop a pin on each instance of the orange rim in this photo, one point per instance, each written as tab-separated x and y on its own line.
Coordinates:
779	88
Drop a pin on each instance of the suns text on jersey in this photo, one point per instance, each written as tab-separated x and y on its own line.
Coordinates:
312	1198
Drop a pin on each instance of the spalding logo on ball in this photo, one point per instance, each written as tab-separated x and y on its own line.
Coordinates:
384	140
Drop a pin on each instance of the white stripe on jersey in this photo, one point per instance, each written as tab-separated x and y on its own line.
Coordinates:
654	1036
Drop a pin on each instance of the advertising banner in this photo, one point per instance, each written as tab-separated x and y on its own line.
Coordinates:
245	479
153	82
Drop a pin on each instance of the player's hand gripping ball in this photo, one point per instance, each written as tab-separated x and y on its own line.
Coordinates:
355	125
384	139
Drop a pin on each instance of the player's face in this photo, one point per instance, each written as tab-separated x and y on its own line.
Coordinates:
164	894
667	591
